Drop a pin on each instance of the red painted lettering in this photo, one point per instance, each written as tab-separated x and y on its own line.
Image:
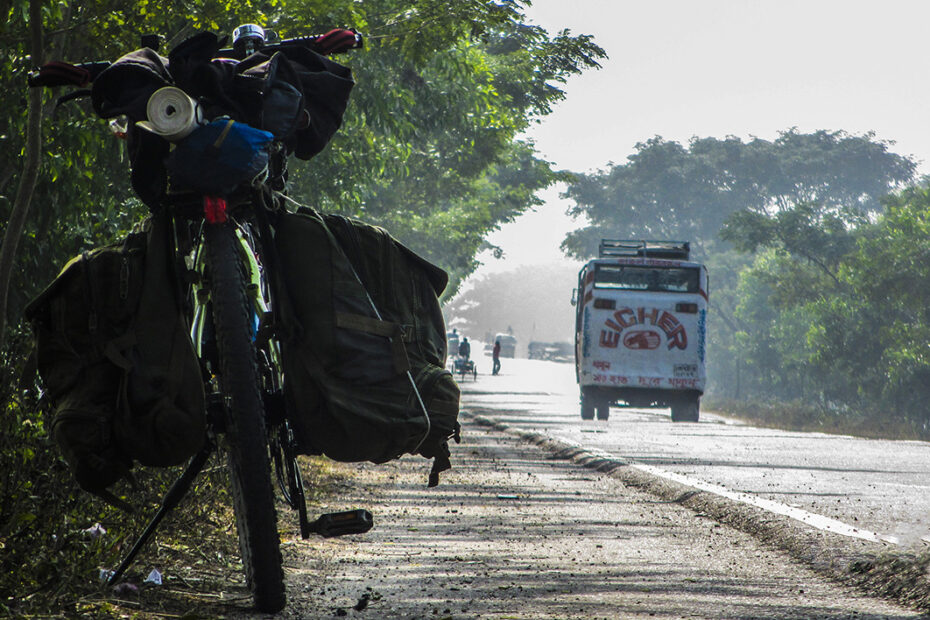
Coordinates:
610	323
667	322
678	338
674	330
609	339
652	315
619	314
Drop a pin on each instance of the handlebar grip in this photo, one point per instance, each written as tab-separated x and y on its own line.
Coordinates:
56	73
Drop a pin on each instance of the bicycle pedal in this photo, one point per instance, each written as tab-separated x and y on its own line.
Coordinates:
332	524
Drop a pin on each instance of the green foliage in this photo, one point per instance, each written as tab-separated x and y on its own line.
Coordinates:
48	562
851	338
430	148
667	191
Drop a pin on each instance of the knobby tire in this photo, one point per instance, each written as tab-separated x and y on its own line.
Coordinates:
249	464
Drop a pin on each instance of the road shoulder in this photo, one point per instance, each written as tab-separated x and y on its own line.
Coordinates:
880	569
514	531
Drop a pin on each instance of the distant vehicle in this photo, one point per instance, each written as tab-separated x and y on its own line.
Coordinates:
508	344
552	351
452	340
463	367
640	328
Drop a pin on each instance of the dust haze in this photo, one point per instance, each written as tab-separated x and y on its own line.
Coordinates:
532	300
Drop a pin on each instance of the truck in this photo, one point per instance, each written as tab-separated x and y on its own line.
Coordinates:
508	344
640	328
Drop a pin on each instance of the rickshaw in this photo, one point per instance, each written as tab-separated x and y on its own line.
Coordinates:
464	366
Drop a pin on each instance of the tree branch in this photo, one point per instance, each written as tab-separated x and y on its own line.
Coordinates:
5	177
27	181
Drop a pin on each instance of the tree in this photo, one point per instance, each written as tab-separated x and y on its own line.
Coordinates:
430	146
846	331
874	333
668	191
32	159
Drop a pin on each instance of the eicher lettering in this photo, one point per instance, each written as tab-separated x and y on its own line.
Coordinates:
626	317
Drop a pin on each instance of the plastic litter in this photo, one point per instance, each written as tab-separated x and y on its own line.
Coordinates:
154	577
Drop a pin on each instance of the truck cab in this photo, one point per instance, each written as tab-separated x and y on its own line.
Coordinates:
640	328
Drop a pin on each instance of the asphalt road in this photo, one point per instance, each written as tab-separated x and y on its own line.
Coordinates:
522	527
873	489
513	533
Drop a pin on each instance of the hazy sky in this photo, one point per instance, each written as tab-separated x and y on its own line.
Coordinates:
684	68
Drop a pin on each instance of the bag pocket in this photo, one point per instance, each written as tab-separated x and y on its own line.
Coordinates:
440	395
85	438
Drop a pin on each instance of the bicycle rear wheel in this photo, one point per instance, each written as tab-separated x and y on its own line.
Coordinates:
247	444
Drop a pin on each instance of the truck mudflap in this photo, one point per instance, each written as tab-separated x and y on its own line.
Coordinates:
684	404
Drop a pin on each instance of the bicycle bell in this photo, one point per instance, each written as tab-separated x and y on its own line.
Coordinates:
247	39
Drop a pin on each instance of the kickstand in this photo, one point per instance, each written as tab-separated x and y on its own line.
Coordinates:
174	496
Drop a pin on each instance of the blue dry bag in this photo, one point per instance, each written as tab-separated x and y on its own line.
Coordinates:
216	158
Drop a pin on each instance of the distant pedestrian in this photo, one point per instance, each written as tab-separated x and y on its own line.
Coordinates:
496	355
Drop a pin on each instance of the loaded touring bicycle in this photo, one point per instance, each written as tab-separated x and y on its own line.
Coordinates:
233	321
640	329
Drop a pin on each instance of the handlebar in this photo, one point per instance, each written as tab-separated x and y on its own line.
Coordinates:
56	73
336	41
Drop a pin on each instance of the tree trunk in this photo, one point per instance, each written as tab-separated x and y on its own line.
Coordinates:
27	182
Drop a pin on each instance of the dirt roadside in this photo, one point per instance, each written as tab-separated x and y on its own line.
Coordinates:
514	533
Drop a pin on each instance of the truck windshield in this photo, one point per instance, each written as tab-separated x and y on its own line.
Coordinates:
660	279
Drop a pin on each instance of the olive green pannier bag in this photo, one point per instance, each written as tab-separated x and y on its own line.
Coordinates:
117	365
364	346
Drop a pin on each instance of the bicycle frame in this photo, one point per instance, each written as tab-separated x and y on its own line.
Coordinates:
259	292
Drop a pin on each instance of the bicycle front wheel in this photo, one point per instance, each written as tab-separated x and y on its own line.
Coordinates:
247	452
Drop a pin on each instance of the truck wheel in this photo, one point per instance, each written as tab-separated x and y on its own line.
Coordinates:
587	406
603	410
686	410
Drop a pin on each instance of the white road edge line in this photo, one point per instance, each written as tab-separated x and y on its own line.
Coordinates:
815	520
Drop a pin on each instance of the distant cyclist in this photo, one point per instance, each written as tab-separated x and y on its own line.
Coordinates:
465	349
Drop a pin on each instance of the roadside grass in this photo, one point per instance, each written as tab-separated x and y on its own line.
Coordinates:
797	416
55	538
52	567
